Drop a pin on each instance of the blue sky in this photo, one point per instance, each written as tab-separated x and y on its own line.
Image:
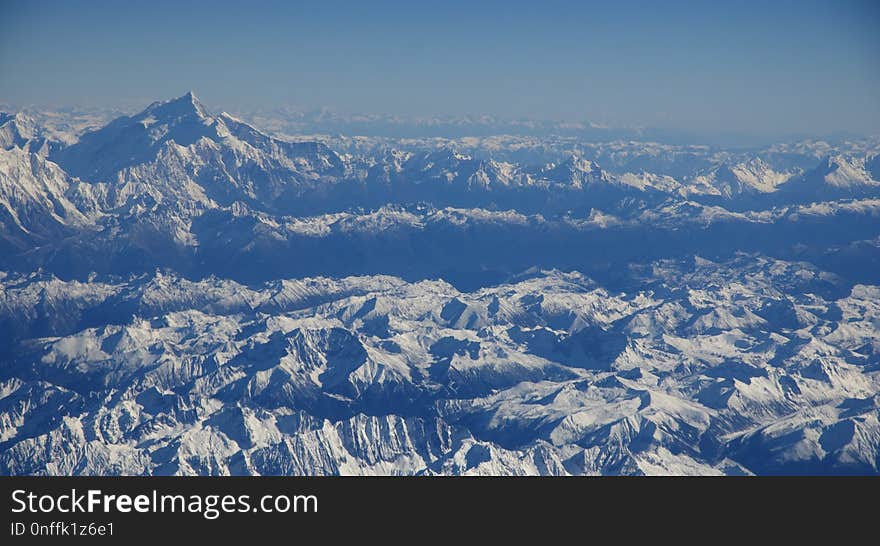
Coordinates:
778	67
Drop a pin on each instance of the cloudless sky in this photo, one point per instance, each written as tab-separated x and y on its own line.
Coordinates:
771	67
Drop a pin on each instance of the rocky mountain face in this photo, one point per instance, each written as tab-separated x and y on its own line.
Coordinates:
182	293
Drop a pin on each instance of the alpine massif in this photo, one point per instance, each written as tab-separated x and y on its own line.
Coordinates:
183	293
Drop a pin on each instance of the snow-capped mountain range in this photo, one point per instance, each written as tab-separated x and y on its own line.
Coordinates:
184	293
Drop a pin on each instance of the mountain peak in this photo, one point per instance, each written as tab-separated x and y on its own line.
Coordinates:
184	106
190	97
128	141
19	130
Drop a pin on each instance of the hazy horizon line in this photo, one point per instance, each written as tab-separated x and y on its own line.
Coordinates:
133	106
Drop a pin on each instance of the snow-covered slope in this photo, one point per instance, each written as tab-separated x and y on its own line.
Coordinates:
703	373
38	201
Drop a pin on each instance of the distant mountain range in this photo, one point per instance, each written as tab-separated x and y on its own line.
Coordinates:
182	292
